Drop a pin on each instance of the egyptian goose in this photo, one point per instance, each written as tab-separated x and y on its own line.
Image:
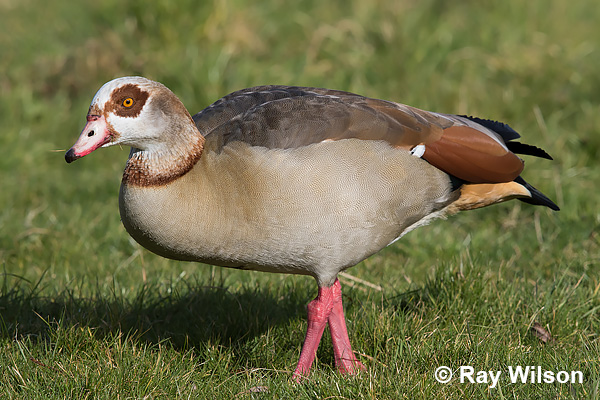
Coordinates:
296	180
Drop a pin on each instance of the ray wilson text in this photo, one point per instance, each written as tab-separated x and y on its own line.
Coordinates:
512	375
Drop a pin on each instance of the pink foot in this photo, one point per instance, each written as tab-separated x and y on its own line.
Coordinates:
327	308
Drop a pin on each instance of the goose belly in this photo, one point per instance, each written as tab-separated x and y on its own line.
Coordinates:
312	210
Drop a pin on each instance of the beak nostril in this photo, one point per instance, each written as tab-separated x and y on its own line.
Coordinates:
91	133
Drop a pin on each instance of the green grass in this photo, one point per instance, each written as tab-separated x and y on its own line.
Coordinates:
86	313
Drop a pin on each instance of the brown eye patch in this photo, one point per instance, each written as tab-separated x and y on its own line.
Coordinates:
128	101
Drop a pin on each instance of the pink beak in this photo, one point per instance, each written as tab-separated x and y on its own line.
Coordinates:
94	135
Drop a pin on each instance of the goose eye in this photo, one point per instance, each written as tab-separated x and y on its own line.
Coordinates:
128	102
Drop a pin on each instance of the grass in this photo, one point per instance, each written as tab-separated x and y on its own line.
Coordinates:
87	313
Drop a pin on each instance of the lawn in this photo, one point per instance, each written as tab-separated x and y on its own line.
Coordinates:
87	313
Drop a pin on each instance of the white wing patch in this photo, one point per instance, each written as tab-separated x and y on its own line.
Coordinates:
418	150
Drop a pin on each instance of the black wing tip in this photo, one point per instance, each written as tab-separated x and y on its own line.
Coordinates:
509	134
527	149
548	203
537	198
500	128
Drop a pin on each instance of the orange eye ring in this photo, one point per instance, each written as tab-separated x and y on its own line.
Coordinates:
128	102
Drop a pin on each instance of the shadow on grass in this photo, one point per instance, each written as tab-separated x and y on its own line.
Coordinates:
189	313
184	314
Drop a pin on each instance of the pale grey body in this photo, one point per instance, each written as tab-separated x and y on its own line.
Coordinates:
313	210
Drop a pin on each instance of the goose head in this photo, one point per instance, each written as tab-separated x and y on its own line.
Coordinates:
132	111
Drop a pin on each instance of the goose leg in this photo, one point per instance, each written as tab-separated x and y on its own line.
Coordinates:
327	308
345	359
318	313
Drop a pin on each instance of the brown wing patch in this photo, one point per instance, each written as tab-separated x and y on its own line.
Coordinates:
407	126
473	156
119	102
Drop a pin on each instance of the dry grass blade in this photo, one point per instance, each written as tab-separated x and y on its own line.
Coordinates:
360	281
41	364
254	389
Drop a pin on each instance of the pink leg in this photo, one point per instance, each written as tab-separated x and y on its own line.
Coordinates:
345	359
318	311
327	307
